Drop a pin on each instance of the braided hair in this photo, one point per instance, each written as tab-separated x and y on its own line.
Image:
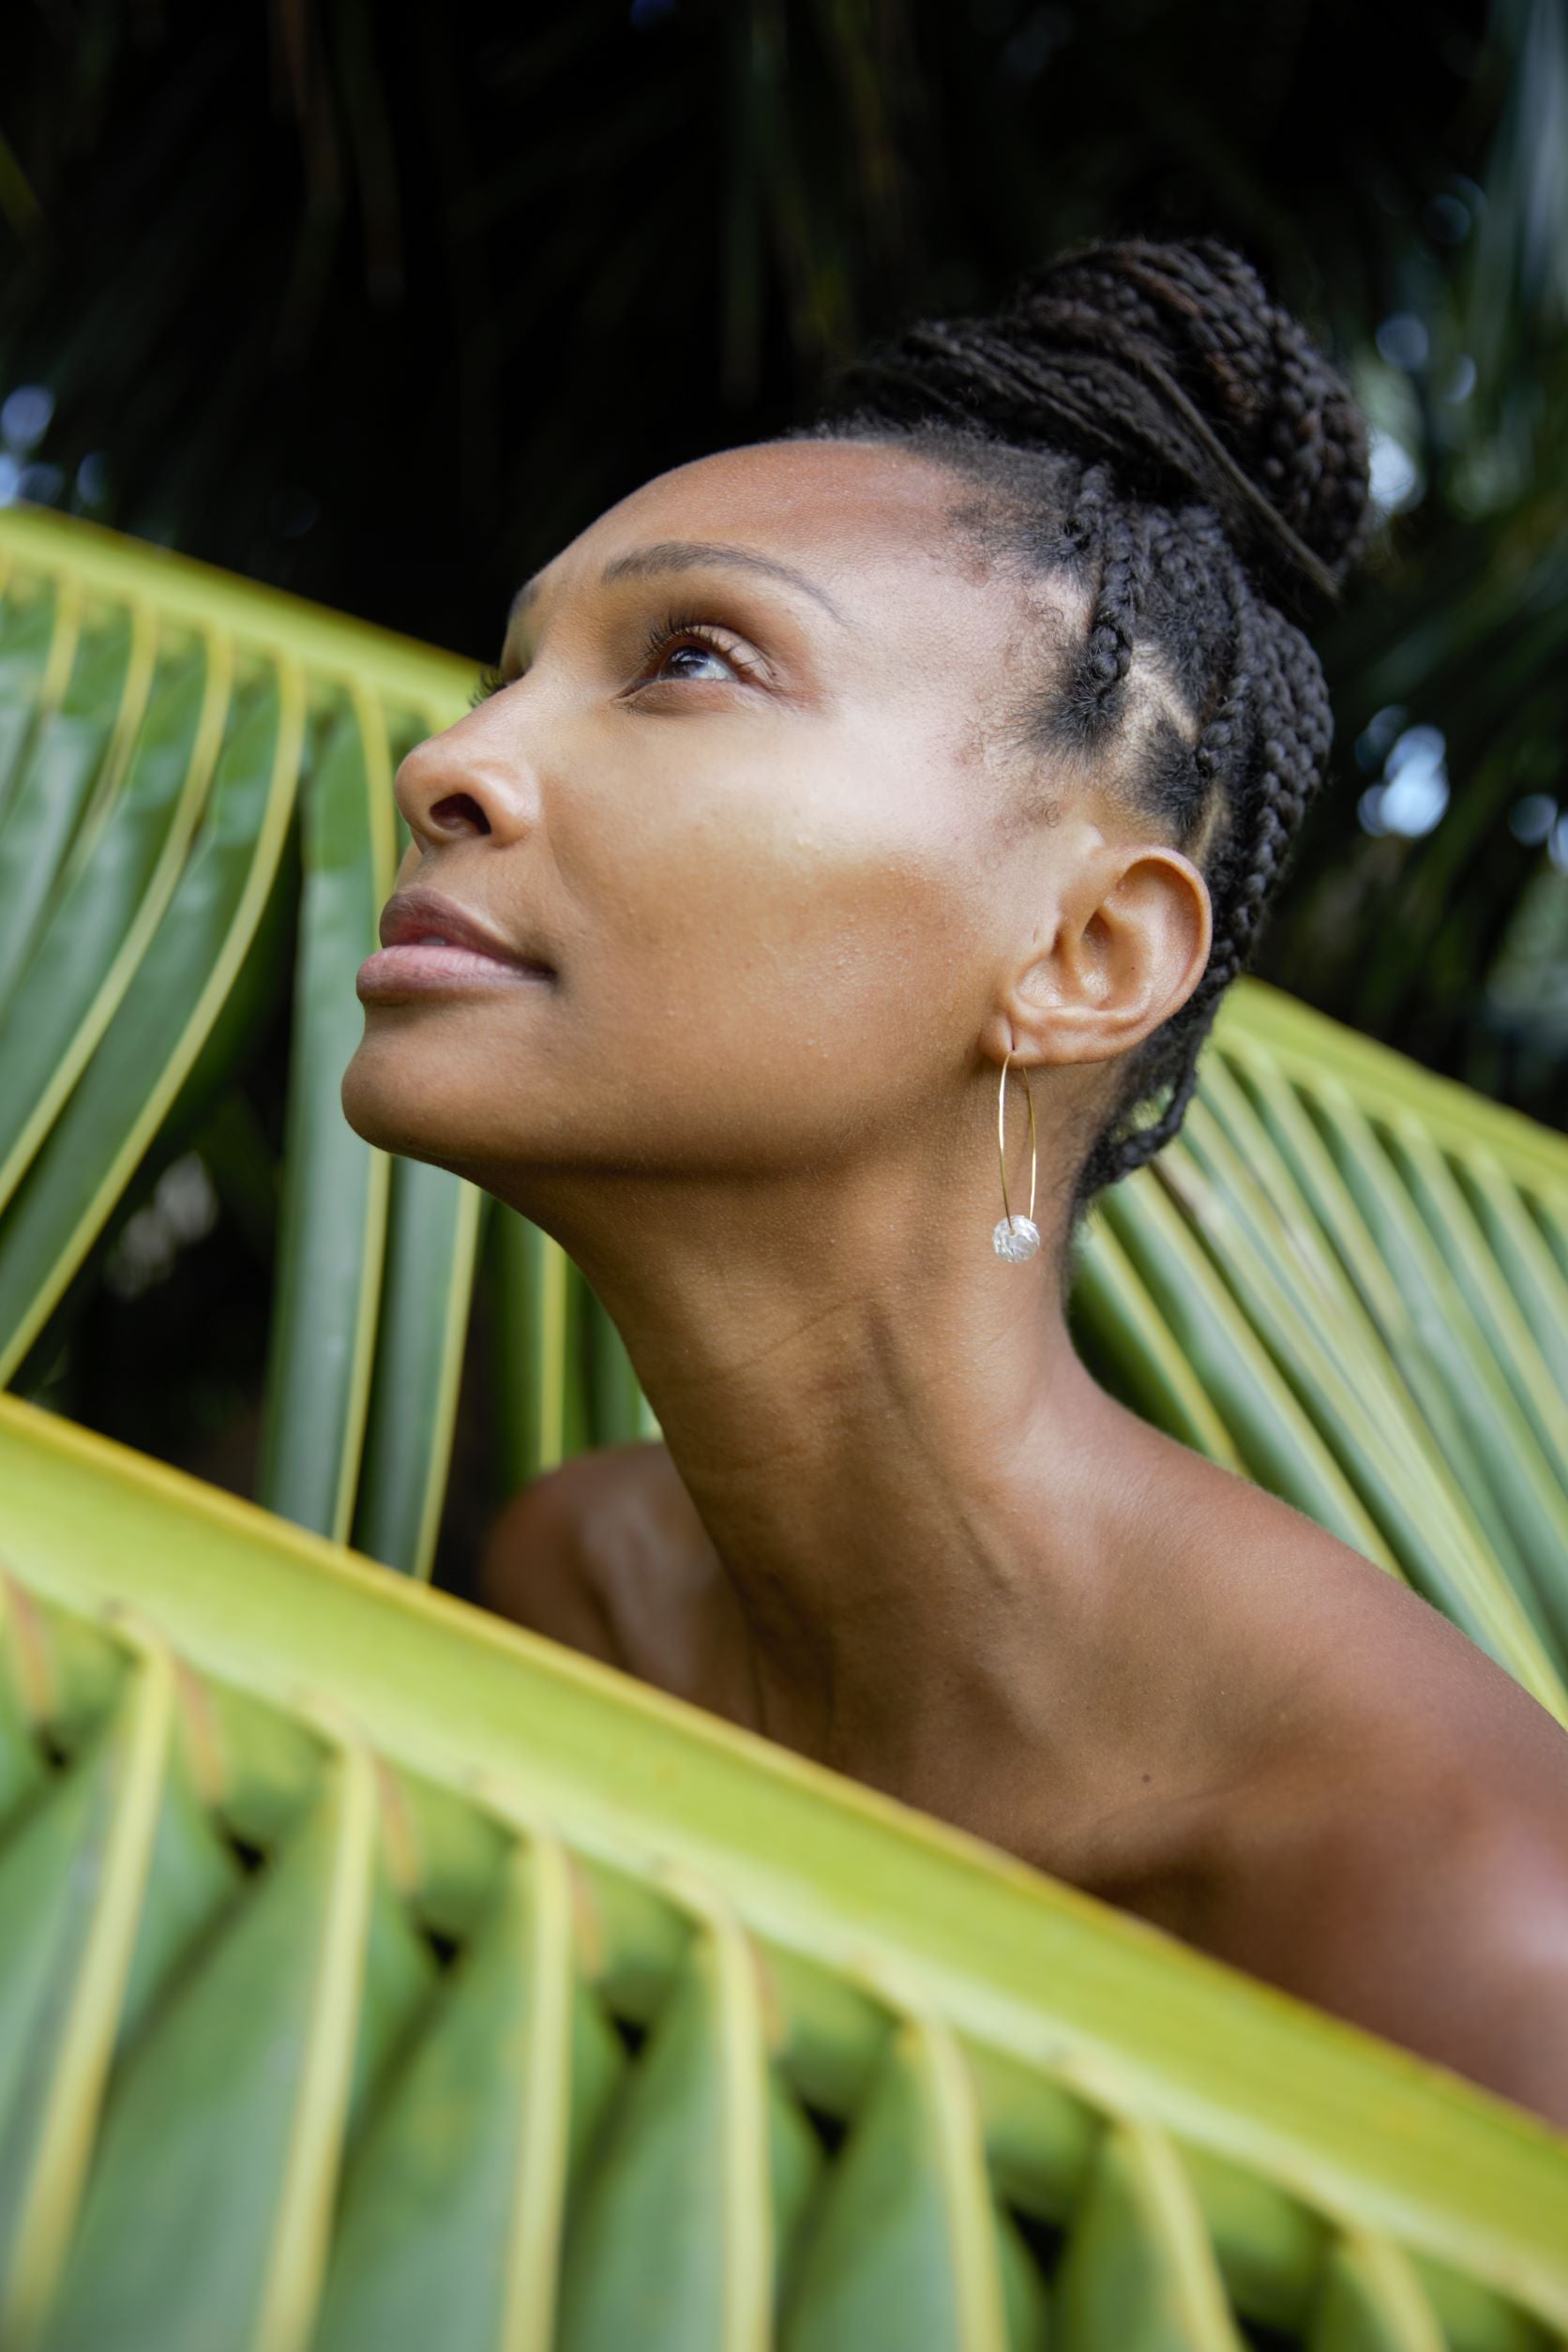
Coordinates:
1145	420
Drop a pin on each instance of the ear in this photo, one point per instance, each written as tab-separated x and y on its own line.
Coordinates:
1128	944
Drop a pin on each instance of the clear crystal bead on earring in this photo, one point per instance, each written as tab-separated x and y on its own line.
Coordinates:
1016	1239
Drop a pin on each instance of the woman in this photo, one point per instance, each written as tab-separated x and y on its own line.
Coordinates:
832	793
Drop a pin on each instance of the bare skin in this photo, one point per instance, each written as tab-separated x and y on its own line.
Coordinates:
787	895
1297	1765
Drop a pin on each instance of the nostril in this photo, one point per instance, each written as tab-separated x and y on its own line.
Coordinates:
460	812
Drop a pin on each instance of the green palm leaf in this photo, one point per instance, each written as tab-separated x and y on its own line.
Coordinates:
181	985
47	812
729	2037
334	1224
102	920
38	639
431	1247
154	953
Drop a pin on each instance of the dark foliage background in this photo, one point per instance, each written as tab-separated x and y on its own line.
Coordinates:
384	303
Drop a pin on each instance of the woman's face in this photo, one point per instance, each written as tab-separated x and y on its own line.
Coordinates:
739	807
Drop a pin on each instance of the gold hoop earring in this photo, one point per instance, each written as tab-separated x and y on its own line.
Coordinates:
1016	1238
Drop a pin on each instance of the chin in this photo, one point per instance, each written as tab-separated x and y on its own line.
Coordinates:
422	1105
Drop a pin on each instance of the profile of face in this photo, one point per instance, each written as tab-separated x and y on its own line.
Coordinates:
766	882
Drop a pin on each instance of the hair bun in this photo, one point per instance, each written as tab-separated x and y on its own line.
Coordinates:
1171	362
1201	317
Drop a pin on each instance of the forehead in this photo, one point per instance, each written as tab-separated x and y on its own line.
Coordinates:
857	519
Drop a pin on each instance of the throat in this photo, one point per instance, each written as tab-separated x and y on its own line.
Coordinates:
921	1590
915	1489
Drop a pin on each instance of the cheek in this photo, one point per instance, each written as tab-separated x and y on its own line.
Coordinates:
823	906
764	954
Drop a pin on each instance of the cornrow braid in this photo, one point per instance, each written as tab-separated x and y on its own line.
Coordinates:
1114	622
1144	419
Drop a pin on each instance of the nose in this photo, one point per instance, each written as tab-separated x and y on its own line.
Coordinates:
461	783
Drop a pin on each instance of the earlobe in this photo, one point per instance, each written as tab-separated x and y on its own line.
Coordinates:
1130	947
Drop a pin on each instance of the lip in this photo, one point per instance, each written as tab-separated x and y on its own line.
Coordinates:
432	946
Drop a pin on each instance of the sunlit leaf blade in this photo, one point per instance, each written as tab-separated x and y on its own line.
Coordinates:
99	927
1268	2245
432	1240
1274	1438
1132	1351
1500	1325
796	2166
902	2247
1138	2273
229	2109
71	1883
23	1767
1025	2302
541	1402
1371	2300
193	1875
148	1049
55	785
452	2207
45	1910
38	622
1452	1539
417	680
395	1984
1538	1284
134	681
334	1213
1553	1222
1520	1416
616	1408
1471	2313
1535	1509
1309	1048
1277	2119
1334	1358
669	2246
1269	1125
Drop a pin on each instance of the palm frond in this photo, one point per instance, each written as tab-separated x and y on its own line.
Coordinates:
383	1972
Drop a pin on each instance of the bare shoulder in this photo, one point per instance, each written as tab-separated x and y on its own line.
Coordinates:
535	1565
1399	1727
607	1555
1308	1691
1407	1869
1400	1856
1341	1657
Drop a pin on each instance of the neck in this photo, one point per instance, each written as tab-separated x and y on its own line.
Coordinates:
889	1439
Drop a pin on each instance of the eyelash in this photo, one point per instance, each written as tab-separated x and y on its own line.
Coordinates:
660	637
665	633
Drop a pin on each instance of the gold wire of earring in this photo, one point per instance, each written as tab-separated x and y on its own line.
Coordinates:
1016	1238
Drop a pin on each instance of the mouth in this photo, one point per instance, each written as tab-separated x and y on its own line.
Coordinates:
431	946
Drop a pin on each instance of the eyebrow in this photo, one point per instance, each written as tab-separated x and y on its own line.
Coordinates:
687	555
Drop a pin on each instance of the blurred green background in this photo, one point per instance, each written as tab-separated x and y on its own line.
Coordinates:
384	304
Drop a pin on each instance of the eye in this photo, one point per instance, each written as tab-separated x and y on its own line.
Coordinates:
490	681
696	646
